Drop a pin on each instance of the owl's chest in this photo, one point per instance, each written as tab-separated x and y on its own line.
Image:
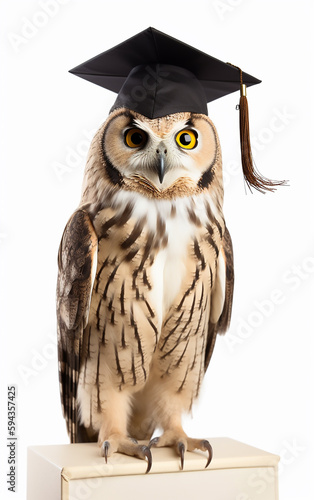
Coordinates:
171	264
144	249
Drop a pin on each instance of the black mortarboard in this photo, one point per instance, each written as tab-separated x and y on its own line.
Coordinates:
155	75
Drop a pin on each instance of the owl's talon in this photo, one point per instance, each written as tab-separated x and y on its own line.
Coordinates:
181	449
104	450
206	444
148	454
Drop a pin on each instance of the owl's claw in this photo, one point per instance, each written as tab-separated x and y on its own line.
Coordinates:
206	444
181	449
148	454
128	446
182	443
104	450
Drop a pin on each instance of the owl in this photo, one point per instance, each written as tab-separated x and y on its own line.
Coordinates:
145	263
145	282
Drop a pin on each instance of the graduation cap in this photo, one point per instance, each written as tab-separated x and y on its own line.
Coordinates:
155	75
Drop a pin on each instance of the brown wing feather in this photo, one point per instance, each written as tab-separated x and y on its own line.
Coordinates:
75	262
224	320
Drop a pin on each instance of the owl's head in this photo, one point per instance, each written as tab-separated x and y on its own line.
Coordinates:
164	158
166	147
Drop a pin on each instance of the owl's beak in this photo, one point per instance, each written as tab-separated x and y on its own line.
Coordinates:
161	160
161	168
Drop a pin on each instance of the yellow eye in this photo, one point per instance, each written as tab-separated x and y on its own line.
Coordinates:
135	137
187	139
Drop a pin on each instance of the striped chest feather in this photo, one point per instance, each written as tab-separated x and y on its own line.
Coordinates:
151	245
156	266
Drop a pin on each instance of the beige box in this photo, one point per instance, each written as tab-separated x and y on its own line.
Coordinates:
78	472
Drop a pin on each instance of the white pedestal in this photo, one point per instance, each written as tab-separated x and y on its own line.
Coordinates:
78	472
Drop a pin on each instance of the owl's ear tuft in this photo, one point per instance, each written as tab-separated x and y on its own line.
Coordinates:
251	175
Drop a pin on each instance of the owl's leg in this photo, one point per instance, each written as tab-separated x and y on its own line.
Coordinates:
112	435
141	422
166	408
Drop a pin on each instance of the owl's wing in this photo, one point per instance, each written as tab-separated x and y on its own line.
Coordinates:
76	262
221	296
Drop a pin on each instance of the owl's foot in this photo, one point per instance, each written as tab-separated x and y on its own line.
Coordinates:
181	443
128	446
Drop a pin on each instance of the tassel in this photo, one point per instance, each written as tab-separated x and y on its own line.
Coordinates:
251	175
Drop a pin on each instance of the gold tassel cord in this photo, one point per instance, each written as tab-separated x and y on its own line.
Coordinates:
251	175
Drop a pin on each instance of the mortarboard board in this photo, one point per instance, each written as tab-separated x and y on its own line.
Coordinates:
155	75
160	75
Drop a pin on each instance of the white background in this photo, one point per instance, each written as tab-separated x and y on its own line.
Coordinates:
258	388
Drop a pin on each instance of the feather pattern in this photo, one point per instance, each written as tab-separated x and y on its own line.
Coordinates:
75	262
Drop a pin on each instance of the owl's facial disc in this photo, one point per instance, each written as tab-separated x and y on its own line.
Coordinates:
160	151
161	156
